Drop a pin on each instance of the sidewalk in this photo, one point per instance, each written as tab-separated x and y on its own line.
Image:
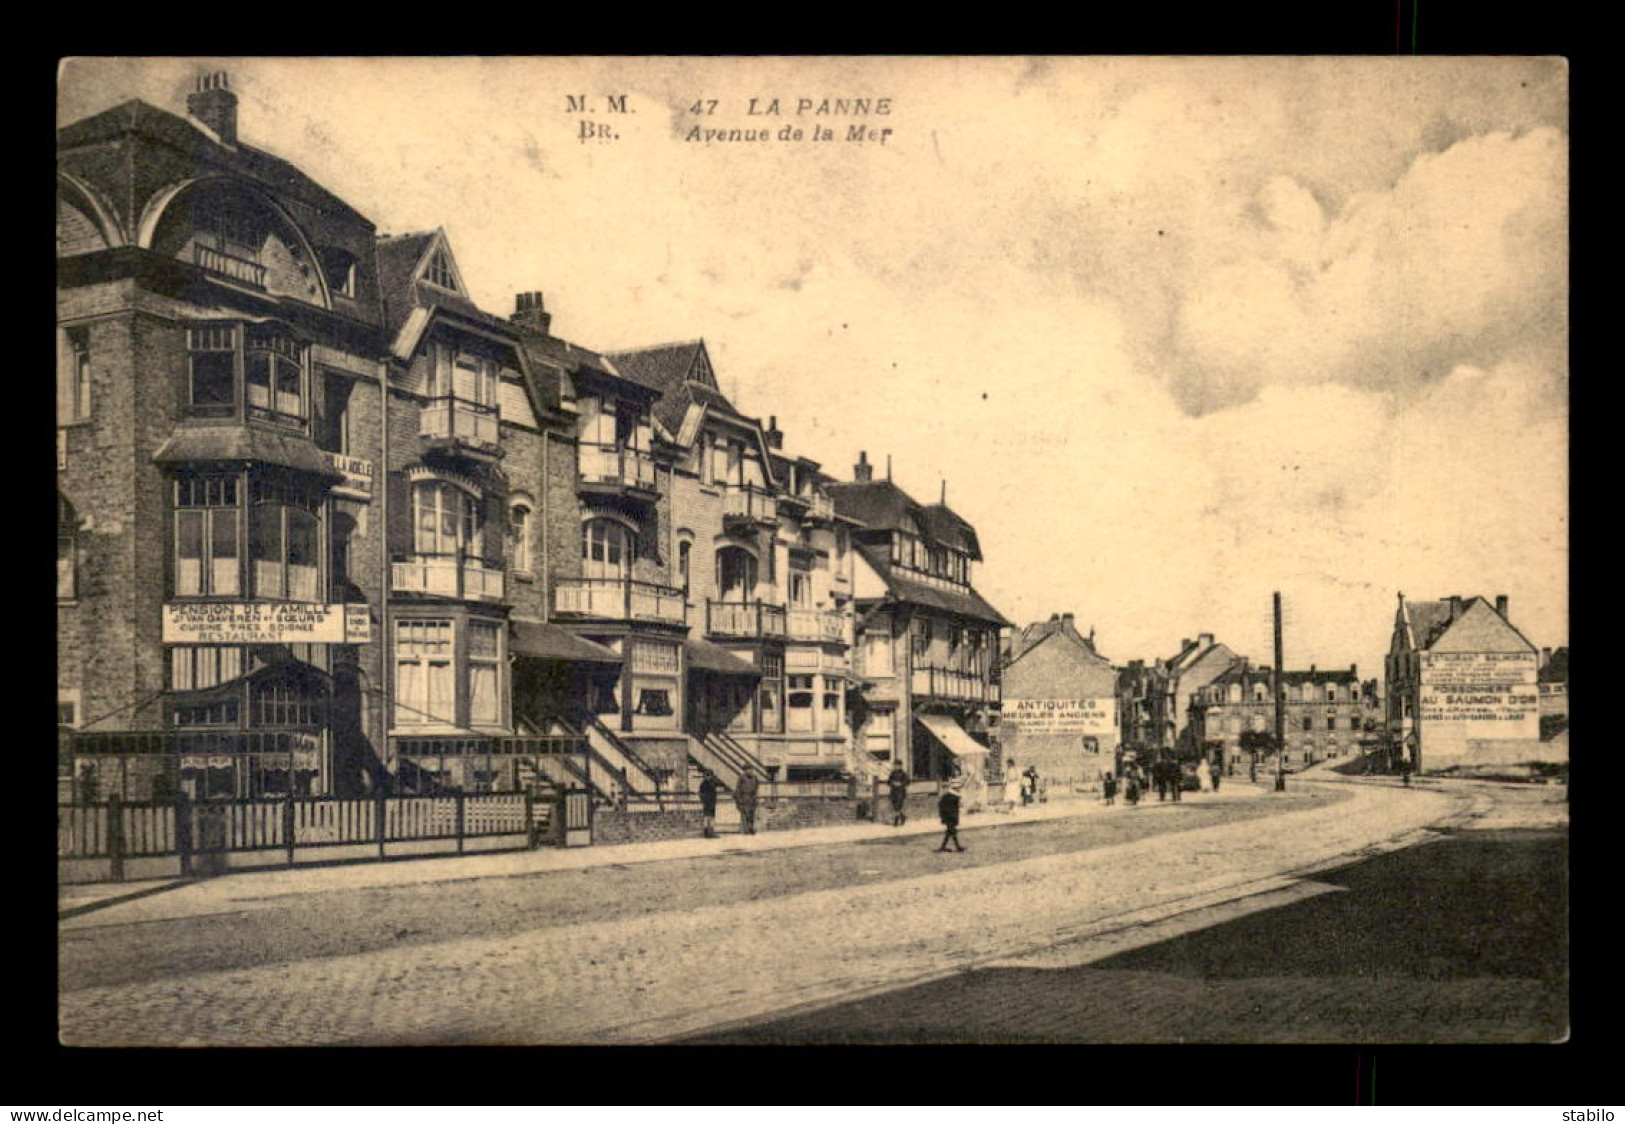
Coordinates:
173	898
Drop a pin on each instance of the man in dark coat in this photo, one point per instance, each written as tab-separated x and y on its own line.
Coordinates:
898	780
1159	777
745	797
708	804
948	810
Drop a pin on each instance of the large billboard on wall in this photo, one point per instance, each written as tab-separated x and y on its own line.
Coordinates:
266	622
1051	717
1497	688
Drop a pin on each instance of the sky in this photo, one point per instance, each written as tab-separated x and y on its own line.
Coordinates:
1173	333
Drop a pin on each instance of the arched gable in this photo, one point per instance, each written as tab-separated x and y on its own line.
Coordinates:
89	222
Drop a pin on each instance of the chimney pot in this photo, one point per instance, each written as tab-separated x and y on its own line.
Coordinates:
1067	617
215	105
1501	604
530	310
863	472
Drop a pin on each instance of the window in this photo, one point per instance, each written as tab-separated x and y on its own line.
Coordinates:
799	703
67	708
212	370
438	272
1331	723
877	655
800	589
73	377
424	691
519	537
736	574
484	676
832	702
767	692
336	393
283	542
198	667
67	550
271	703
654	665
683	551
921	630
446	520
208	548
274	369
1331	694
606	549
1308	723
340	268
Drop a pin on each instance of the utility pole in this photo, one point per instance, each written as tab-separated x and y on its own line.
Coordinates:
1280	705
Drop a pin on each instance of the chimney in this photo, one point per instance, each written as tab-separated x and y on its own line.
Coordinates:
888	467
1053	617
1501	603
1354	670
1455	606
1311	669
1545	658
1205	639
863	472
1185	643
1066	617
775	437
215	105
529	311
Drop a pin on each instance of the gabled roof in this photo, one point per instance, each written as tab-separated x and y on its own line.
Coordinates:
681	372
402	260
1427	621
943	525
900	586
879	505
1028	638
1249	673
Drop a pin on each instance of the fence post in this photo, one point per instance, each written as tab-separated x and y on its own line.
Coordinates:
287	826
183	831
379	817
461	813
115	836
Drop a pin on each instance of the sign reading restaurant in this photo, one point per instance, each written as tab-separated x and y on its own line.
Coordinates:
1087	717
263	622
1479	686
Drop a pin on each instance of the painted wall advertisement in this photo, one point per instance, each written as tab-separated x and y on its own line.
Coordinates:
1047	717
263	622
1480	687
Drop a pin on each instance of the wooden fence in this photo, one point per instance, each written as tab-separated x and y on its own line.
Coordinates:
109	840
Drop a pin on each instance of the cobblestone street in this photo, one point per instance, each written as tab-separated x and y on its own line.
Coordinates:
740	945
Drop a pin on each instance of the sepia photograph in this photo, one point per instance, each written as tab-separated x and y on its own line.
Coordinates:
791	551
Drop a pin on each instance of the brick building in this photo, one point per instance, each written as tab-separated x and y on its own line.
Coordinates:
1059	704
1462	685
325	526
1154	700
1328	714
927	641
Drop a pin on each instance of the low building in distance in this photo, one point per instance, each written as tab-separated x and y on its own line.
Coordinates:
1059	710
1328	714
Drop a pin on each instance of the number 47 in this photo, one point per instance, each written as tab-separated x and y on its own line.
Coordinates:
704	106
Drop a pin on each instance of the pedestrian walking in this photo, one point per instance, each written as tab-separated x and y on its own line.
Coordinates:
1405	771
1204	779
898	780
708	803
1108	786
1131	788
1012	783
1159	777
1215	771
948	811
1176	779
745	793
1029	785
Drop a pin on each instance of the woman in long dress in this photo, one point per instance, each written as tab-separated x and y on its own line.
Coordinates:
1012	784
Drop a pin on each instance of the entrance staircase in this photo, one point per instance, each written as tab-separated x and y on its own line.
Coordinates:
725	756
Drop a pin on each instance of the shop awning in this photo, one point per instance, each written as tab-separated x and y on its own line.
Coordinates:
951	735
706	656
537	641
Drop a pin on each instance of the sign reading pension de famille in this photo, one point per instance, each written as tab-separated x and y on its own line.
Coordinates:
1086	717
266	622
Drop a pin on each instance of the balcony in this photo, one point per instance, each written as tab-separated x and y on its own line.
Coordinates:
749	505
458	421
617	470
948	683
241	270
618	599
447	577
823	626
821	509
751	619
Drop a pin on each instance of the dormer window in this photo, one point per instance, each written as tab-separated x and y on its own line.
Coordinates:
340	267
438	271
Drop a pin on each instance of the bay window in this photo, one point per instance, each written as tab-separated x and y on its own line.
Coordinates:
484	675
212	370
274	370
799	703
654	666
424	673
273	367
284	533
208	550
736	574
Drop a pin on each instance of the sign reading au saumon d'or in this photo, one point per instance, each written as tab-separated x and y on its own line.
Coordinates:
1479	686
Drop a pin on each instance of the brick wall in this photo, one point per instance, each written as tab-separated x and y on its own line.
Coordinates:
788	815
612	826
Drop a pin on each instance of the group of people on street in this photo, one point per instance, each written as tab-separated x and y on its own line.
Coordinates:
1165	774
1020	789
746	792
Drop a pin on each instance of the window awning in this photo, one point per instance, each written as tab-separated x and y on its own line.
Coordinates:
706	656
951	735
190	444
537	641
